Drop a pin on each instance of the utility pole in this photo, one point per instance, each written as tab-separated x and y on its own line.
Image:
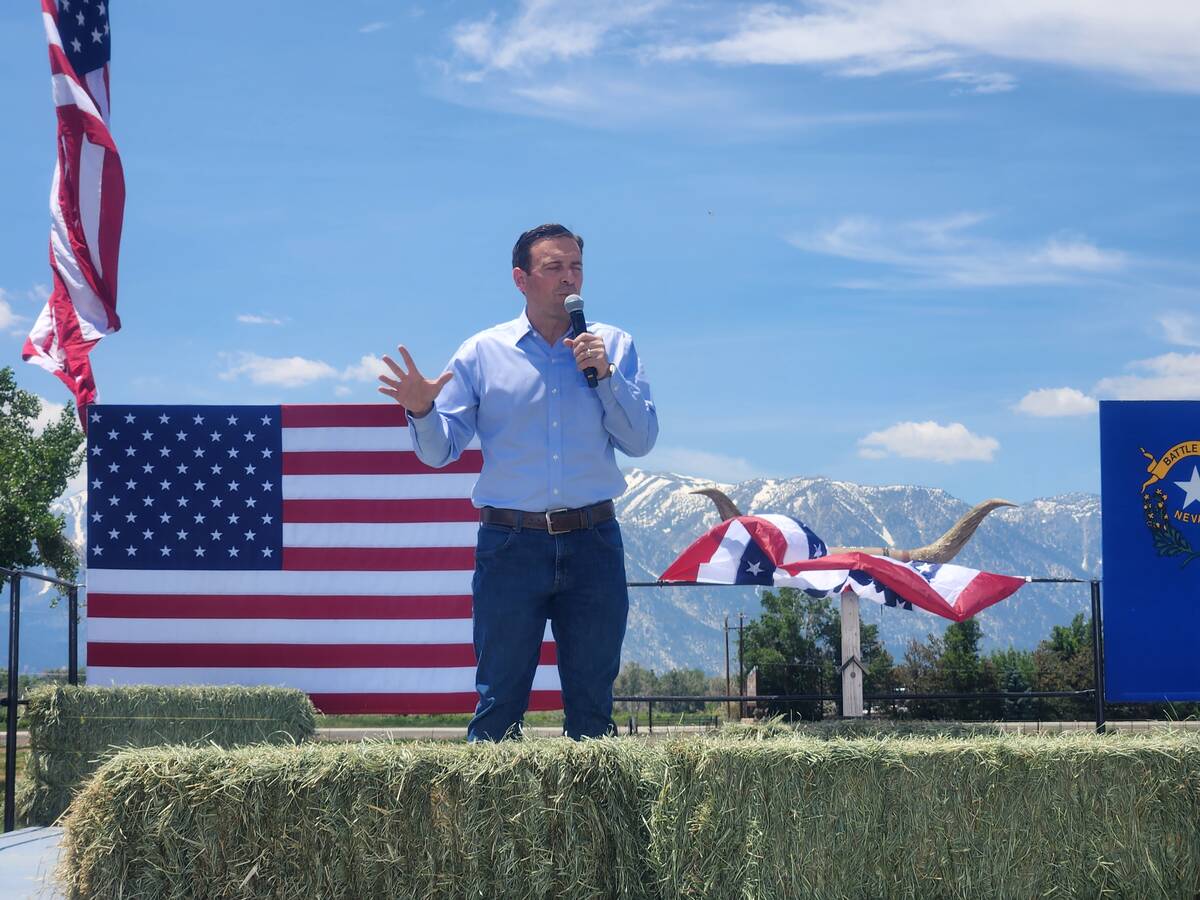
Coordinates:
728	685
741	669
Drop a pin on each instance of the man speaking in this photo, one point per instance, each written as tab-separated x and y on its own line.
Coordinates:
549	546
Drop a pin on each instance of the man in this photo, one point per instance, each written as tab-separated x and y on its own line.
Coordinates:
549	546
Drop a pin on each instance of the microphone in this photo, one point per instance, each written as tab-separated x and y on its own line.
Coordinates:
574	307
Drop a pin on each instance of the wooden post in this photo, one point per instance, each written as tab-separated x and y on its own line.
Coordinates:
852	668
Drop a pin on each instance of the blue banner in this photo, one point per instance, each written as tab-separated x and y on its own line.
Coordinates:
1150	507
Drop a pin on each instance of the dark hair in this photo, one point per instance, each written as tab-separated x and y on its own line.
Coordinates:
520	256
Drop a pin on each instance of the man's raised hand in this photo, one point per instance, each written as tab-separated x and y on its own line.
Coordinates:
411	389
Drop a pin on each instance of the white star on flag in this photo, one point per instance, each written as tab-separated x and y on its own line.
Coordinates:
1191	487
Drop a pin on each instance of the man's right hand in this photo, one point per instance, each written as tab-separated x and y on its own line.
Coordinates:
411	389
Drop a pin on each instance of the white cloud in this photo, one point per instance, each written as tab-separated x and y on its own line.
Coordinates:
372	27
368	368
289	372
251	319
947	252
342	391
663	63
1066	252
1153	42
1172	376
928	440
1180	328
1055	402
8	318
980	82
567	59
297	371
47	415
700	464
543	31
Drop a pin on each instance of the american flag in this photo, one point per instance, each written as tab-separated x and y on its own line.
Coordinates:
87	200
303	546
781	551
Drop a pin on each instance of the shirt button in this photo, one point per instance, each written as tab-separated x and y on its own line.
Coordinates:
556	490
554	390
554	457
554	424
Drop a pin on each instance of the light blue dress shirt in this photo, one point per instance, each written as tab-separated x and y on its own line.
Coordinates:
547	438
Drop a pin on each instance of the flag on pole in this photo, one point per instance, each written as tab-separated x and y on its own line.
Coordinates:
87	200
302	546
783	552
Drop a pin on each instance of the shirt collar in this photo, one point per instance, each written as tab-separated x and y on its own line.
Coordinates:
521	327
517	328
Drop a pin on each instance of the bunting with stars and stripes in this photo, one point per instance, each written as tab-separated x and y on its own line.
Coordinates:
302	546
780	551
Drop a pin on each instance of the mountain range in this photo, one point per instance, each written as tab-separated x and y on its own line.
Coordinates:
672	627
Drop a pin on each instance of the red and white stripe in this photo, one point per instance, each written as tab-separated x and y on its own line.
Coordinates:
371	612
87	202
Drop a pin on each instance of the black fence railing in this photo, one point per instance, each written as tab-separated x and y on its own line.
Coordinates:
896	697
10	700
1096	692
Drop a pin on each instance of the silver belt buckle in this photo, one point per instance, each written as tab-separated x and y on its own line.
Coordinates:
550	524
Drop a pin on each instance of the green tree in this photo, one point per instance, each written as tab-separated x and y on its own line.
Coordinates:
787	643
635	680
1010	671
960	670
796	643
1064	663
944	664
920	674
34	471
683	683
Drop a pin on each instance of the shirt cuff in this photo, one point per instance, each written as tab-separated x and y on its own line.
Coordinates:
607	388
426	426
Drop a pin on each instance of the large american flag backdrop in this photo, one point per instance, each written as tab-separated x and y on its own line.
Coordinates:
87	199
303	546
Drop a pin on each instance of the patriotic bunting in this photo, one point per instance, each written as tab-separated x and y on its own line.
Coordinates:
783	552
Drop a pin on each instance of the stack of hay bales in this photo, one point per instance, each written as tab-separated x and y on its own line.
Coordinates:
72	730
783	816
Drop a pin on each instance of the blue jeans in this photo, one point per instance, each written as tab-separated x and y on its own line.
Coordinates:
576	580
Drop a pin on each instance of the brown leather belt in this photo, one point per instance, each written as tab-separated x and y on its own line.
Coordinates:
555	521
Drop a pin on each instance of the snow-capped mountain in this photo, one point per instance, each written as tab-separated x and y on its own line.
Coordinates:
681	626
668	627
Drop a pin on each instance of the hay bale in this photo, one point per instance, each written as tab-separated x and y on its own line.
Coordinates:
1007	817
72	729
1021	816
523	820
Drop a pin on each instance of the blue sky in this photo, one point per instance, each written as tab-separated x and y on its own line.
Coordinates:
885	242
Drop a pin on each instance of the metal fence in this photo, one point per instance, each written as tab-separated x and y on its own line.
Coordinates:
1096	692
10	700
